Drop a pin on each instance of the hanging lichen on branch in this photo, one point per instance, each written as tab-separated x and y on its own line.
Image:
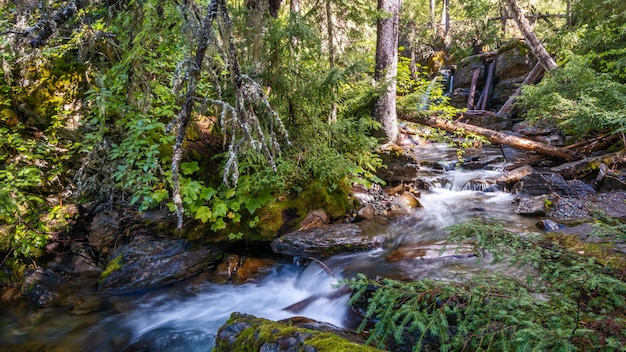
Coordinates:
241	121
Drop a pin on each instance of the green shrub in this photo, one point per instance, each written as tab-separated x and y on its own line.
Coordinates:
571	302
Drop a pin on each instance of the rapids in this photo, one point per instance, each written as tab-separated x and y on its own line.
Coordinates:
186	316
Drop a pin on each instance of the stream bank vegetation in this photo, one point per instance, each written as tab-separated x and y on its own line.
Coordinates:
568	301
232	113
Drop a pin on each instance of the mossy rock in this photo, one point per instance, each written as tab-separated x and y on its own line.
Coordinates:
243	332
317	196
113	265
601	252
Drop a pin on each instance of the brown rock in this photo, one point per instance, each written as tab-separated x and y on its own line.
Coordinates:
367	212
315	218
407	200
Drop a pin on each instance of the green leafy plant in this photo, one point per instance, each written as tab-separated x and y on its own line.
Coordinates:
578	99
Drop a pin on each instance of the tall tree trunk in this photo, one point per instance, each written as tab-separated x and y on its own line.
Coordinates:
274	6
331	59
445	24
257	9
387	67
294	6
413	53
433	21
531	39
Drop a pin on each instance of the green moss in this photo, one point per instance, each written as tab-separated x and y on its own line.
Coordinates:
13	270
548	204
112	266
262	331
270	219
601	252
330	342
334	201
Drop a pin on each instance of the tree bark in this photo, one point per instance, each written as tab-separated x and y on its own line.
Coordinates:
531	39
445	24
387	67
331	59
488	84
494	136
294	6
184	115
472	93
433	21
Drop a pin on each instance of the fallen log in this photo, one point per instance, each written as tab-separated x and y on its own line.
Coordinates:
585	147
493	136
579	169
531	39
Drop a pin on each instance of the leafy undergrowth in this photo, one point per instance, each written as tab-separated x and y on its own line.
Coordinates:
571	302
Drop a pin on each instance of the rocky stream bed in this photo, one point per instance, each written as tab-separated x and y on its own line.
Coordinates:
143	291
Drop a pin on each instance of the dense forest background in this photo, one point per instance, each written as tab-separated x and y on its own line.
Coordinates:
107	101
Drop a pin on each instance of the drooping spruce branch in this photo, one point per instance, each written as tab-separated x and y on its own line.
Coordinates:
570	302
240	120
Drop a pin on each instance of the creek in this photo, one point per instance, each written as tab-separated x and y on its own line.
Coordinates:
187	315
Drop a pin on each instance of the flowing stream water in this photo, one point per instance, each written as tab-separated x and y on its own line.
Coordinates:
186	316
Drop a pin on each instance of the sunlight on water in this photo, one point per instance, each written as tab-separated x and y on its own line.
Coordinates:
187	316
213	304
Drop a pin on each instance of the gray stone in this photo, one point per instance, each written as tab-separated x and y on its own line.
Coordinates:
80	261
147	263
533	206
43	287
325	241
537	183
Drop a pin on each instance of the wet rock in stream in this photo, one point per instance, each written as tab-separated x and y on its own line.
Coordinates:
324	241
150	262
244	332
431	250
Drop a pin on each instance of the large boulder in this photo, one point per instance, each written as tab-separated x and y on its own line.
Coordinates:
325	241
540	183
401	166
148	262
243	332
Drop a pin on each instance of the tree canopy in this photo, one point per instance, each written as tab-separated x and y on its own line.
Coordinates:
216	108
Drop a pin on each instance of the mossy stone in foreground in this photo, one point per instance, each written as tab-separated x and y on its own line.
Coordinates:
243	332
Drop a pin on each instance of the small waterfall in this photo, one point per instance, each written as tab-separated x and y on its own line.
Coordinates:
424	102
169	320
186	316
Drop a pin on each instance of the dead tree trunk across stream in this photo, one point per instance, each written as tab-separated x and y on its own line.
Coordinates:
493	136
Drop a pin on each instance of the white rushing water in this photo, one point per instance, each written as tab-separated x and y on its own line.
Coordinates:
187	316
